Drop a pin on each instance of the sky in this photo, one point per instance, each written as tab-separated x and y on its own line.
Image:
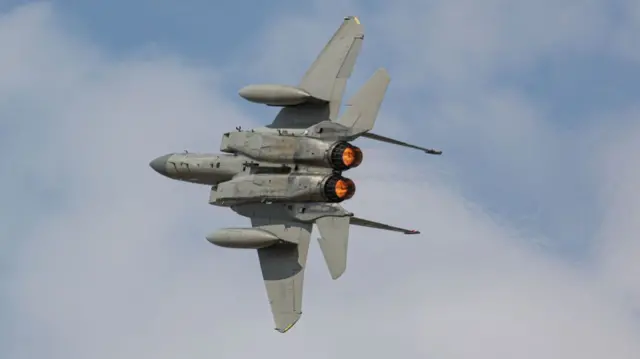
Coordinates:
529	218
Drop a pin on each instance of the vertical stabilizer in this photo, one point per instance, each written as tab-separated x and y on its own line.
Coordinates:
334	240
362	109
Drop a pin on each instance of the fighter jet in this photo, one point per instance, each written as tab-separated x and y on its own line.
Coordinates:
287	176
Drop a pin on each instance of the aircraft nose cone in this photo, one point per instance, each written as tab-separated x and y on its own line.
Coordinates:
160	164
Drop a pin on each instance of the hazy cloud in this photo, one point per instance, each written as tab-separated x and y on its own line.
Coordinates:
111	260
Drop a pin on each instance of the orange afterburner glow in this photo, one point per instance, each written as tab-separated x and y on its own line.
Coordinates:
345	188
357	156
351	156
348	156
341	188
337	188
344	156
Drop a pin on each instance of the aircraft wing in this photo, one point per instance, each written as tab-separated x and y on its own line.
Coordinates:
356	221
326	79
283	266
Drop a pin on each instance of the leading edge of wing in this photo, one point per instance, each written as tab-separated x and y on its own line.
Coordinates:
326	78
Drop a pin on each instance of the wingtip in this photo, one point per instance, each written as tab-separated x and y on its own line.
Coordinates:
335	276
433	152
287	327
412	231
354	18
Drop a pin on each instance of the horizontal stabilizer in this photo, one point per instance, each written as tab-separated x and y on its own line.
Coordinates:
334	241
373	136
356	221
362	109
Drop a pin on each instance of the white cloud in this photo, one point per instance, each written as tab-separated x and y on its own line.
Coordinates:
462	44
121	267
618	245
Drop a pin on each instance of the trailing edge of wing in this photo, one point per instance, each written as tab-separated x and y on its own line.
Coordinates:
356	221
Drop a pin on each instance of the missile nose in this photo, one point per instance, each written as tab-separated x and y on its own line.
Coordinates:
160	164
211	238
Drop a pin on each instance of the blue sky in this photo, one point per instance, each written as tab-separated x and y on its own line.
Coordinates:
528	219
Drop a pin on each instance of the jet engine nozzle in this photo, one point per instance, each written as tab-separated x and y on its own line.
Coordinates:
338	188
344	156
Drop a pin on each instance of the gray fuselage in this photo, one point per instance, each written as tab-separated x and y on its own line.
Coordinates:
201	168
237	180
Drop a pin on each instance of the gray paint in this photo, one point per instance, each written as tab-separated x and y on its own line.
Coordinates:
244	238
272	188
334	242
274	95
308	148
287	176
